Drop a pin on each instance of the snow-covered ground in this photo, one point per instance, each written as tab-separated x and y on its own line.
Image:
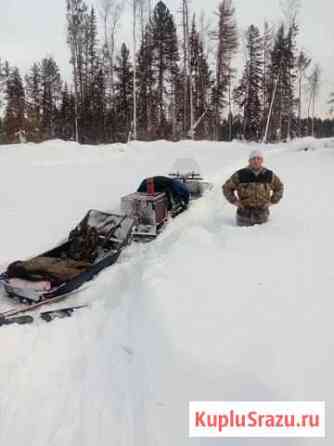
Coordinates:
208	311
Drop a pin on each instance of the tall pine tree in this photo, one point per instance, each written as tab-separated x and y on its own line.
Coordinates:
123	94
66	115
33	84
51	84
281	118
15	120
201	82
146	88
76	16
227	45
249	92
165	68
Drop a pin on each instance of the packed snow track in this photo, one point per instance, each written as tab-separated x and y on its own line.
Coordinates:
208	311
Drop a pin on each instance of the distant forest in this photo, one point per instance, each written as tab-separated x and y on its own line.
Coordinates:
179	81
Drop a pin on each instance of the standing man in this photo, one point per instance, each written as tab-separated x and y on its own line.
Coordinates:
253	190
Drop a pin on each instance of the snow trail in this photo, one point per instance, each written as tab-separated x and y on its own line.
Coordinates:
207	311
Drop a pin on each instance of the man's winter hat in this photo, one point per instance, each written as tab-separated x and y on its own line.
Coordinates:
255	154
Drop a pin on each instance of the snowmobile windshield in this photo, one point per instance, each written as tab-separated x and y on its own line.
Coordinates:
185	167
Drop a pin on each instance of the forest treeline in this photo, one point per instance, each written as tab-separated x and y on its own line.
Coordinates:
182	82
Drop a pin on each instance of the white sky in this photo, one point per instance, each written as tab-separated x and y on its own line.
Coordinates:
31	30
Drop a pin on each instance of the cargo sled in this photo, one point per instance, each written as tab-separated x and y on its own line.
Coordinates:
94	244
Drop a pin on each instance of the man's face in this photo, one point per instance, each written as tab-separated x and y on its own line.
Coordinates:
256	163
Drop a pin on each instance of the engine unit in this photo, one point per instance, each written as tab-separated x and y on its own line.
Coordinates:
150	212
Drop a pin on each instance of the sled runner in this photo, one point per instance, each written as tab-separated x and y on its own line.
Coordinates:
19	320
94	244
60	313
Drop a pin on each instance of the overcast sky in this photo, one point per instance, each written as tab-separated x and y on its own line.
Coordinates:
31	30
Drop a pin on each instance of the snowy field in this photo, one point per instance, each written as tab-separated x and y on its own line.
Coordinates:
208	311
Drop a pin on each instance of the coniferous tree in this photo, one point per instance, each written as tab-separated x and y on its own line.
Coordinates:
51	84
123	93
97	108
66	115
146	87
90	50
227	45
174	98
93	92
165	68
275	85
34	99
14	121
187	108
249	92
282	85
76	15
201	83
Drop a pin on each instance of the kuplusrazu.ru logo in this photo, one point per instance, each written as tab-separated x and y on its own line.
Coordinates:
256	419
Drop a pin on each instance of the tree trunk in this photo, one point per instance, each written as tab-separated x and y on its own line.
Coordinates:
265	139
229	112
313	114
300	106
134	70
188	87
76	93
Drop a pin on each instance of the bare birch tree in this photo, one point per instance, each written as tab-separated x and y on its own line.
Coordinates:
188	84
303	62
290	10
331	103
135	4
267	42
110	13
76	16
314	81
